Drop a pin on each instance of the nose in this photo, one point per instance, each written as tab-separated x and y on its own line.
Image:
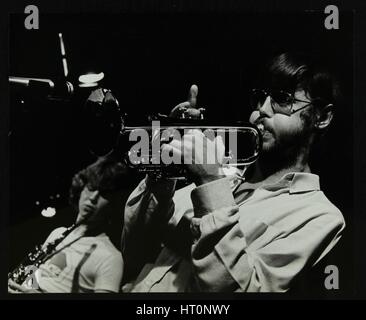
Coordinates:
94	196
254	116
266	109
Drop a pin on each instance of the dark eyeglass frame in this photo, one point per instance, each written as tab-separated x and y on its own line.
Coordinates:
276	106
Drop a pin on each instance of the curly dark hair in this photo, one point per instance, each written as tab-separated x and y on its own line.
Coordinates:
106	175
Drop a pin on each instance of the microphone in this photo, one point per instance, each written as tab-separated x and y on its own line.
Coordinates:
43	88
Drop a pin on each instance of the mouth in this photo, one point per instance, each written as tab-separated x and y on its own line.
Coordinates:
88	208
263	129
260	126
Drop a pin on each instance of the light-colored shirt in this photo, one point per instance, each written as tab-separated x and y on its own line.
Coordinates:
258	241
87	265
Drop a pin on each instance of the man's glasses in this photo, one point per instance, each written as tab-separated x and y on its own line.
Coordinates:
281	101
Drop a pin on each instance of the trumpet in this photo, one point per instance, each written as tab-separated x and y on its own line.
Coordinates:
139	145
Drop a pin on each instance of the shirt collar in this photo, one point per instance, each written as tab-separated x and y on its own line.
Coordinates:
296	182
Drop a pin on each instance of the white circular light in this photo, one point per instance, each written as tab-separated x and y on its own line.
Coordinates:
91	77
49	212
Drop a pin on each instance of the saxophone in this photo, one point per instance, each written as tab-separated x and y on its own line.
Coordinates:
39	255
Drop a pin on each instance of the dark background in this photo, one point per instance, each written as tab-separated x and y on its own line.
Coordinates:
150	60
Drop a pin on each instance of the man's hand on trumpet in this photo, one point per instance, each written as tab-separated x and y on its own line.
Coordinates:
188	108
202	155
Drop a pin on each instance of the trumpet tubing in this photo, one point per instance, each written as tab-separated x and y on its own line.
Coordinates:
142	146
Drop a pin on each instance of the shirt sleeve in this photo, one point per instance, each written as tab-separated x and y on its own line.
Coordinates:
256	259
109	274
147	212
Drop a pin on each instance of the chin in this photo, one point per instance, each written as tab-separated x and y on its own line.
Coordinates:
81	216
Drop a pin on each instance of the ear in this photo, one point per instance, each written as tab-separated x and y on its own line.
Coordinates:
324	117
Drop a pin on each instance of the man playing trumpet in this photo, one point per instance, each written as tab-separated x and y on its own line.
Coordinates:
225	233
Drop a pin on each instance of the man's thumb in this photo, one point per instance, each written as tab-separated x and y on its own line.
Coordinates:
192	96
